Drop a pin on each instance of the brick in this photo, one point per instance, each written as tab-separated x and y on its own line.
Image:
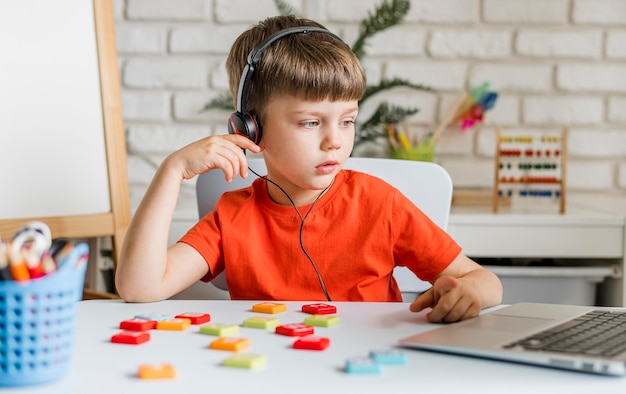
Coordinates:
505	112
145	105
456	142
347	11
397	41
165	73
469	172
437	75
218	76
486	142
597	144
179	10
563	110
589	175
136	193
443	11
141	168
513	77
188	107
616	44
159	138
599	12
140	39
480	44
526	11
373	71
406	98
118	9
198	39
592	77
372	149
245	11
621	176
617	110
559	43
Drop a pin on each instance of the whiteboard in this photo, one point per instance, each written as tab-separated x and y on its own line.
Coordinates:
52	148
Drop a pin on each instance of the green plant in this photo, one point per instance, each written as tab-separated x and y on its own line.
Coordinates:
388	14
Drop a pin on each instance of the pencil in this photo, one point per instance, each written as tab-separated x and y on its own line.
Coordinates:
404	140
391	137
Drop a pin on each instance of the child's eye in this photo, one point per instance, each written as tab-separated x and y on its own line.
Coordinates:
310	124
347	123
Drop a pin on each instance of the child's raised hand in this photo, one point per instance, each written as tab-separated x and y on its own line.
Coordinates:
220	151
451	299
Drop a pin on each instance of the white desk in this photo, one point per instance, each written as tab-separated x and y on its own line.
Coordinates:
103	367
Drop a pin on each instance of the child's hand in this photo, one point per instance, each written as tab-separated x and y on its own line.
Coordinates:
451	299
220	151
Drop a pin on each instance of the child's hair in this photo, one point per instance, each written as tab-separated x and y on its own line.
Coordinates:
312	66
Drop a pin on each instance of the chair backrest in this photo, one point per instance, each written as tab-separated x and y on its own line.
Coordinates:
427	185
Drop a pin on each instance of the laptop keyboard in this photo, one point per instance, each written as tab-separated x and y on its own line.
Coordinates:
597	333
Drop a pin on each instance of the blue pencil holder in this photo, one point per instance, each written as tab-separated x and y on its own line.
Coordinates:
37	320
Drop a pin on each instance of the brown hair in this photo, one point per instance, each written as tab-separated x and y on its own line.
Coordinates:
313	66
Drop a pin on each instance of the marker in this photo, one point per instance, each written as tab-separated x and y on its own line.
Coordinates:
33	262
17	265
60	250
48	265
5	273
77	254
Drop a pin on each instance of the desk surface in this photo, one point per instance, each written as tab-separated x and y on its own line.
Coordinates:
100	366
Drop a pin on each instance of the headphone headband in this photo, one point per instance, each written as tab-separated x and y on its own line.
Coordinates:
255	55
241	122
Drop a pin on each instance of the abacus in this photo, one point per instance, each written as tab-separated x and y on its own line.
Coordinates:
530	166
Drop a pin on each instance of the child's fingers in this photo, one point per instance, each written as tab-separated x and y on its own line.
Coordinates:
423	301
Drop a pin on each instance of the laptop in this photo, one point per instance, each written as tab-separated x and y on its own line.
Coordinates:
537	334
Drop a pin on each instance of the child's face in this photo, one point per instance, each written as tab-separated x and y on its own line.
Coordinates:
307	143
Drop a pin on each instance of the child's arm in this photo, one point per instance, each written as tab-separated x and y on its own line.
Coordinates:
147	270
460	292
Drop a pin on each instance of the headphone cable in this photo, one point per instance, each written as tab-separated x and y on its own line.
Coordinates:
302	220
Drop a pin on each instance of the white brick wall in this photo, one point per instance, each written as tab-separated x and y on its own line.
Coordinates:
553	62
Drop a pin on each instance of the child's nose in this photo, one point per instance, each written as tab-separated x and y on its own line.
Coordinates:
332	138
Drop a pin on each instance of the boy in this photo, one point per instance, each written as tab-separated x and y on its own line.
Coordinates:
296	95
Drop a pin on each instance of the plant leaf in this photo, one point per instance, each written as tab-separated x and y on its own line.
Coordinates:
285	8
387	84
389	13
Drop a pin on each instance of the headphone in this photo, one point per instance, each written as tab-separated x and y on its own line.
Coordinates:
243	122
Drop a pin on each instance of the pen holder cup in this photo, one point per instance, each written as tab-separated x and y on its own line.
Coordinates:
423	152
37	319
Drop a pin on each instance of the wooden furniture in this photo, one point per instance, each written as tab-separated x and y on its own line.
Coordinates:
530	166
57	169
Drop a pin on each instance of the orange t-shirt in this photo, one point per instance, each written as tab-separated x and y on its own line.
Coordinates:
356	233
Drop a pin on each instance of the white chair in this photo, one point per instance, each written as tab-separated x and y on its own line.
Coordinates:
428	185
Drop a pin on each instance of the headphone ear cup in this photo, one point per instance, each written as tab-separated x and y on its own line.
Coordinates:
246	125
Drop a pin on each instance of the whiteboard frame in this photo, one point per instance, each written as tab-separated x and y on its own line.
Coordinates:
115	222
